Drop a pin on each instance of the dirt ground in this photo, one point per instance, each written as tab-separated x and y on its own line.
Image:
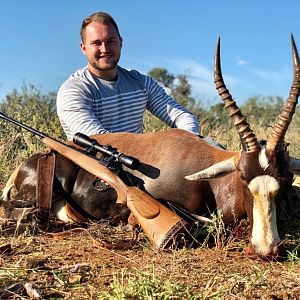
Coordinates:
84	263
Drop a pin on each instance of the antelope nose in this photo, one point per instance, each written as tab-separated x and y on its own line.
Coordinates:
273	251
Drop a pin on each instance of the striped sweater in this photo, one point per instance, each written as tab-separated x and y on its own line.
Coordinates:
91	105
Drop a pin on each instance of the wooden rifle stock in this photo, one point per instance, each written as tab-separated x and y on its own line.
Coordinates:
160	224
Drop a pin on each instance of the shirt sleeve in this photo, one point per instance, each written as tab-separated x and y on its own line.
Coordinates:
167	109
74	109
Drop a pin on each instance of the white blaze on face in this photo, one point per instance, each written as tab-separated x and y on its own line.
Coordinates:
264	232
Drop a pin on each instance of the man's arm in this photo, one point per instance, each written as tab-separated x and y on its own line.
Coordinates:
167	109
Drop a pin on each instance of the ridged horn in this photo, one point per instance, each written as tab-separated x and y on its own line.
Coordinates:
248	138
284	119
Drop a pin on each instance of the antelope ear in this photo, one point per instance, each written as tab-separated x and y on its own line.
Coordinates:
219	169
294	166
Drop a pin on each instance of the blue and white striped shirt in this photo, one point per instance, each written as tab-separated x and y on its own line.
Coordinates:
91	105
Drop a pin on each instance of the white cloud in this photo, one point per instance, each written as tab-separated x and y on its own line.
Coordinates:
200	76
241	62
273	76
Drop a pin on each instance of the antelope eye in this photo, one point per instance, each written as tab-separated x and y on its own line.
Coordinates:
273	194
273	189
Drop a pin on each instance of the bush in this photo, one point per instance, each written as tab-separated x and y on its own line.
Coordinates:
37	109
31	107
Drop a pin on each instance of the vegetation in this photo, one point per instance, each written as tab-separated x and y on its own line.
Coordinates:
33	108
216	267
261	112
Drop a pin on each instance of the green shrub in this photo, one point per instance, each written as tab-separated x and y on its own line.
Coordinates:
146	286
35	109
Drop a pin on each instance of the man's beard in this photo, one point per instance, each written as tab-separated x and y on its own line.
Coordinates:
107	67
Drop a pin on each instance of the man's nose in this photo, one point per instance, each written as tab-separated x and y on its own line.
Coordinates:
104	47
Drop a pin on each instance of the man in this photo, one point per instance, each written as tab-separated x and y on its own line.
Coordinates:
104	97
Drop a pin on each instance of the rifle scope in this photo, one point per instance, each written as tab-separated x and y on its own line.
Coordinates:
85	141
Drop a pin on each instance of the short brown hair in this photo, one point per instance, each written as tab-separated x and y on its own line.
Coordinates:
99	17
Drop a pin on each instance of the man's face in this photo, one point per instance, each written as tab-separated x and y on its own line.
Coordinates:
102	47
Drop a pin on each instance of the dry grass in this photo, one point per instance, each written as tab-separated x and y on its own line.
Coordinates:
101	262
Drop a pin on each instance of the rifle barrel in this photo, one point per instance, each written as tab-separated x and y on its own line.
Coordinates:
159	223
36	132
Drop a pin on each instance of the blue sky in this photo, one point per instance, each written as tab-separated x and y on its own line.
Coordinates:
40	42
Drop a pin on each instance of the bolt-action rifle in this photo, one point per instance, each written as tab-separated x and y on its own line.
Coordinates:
160	224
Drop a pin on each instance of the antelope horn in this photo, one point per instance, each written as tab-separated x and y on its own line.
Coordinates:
248	138
284	119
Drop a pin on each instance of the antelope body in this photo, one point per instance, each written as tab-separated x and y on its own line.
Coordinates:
185	170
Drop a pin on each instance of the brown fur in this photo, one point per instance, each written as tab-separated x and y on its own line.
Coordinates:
168	156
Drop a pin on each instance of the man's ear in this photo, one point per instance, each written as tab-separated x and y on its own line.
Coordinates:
121	42
82	46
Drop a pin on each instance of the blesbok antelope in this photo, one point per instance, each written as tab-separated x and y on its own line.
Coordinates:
183	169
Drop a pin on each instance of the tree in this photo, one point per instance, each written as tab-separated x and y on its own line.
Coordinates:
264	109
217	116
162	76
180	90
179	85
